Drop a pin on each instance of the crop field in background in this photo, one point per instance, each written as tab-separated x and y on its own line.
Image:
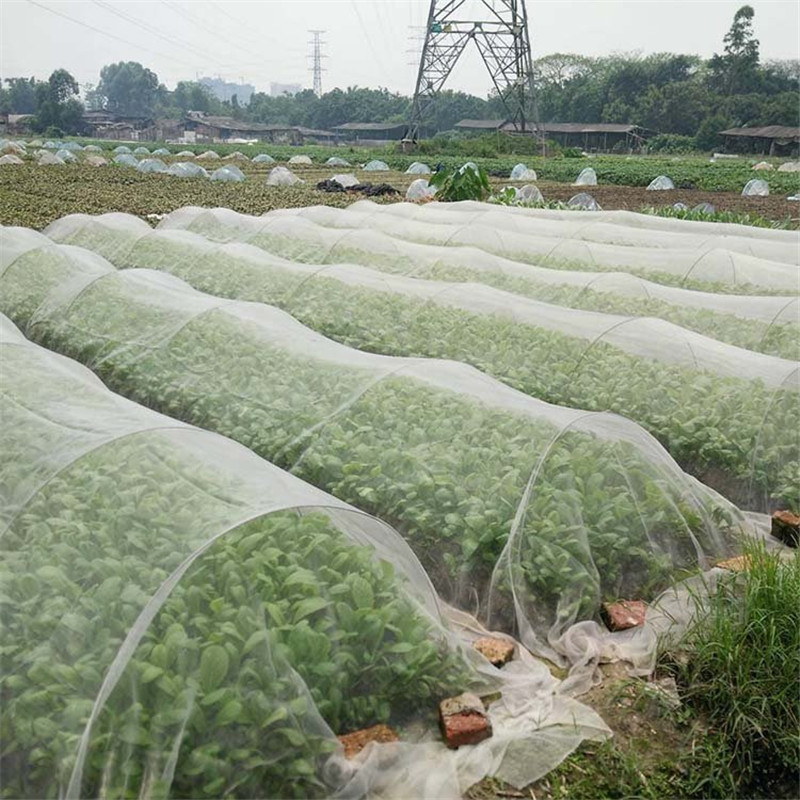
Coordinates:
35	196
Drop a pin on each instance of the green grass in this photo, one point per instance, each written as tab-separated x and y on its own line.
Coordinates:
742	674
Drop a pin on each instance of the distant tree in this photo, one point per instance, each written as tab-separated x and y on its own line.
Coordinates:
737	70
128	89
707	136
57	106
21	95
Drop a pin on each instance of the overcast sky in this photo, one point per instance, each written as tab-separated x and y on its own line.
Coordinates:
368	42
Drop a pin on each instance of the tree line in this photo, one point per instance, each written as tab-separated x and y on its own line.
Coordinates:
684	97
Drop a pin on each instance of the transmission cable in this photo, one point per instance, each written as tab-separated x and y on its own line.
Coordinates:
110	35
147	28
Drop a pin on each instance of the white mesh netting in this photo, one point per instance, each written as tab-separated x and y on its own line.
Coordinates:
658	374
311	234
762	323
185	619
526	513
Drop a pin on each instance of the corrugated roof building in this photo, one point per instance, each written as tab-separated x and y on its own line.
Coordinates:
600	136
773	140
370	132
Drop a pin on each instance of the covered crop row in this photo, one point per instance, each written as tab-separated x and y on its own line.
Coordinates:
181	617
611	227
761	323
729	416
538	240
482	249
529	512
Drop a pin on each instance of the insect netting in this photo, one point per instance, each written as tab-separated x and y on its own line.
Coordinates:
526	513
632	219
762	323
780	247
185	619
668	263
727	415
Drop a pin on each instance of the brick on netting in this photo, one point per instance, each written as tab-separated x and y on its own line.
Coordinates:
624	614
786	527
356	741
497	651
463	720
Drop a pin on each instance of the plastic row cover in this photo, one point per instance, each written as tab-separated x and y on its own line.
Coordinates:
585	229
302	239
185	619
529	513
633	219
664	264
297	239
661	376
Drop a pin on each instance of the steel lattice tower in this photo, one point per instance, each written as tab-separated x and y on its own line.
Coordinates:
316	60
499	29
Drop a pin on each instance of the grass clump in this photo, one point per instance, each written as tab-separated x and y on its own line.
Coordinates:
742	674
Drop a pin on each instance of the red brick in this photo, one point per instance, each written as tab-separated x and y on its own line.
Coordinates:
355	742
737	564
497	651
624	614
786	527
463	720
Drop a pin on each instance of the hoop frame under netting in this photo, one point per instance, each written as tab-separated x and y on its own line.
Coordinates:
136	550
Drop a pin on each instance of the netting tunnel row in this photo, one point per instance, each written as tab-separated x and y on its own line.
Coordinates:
590	228
182	618
727	415
527	513
768	324
315	233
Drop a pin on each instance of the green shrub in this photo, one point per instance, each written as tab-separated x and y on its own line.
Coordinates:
465	183
671	143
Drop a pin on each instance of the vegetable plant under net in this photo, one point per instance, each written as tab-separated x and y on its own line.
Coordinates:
184	619
731	261
727	415
528	513
762	323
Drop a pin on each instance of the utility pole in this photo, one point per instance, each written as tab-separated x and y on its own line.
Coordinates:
499	29
316	60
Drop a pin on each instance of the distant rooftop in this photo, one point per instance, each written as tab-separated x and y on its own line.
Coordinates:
550	127
767	132
231	124
369	126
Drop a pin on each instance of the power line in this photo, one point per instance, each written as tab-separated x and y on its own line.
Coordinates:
184	14
153	31
377	54
109	35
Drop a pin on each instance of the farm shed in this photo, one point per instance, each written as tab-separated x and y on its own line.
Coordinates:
312	135
600	136
11	124
102	124
219	129
370	132
773	140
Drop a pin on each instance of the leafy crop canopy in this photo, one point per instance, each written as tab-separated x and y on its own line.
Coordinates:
181	617
538	511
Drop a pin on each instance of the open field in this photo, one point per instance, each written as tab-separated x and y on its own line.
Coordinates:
35	196
327	449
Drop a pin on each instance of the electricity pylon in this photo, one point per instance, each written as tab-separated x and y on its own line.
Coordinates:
499	29
316	60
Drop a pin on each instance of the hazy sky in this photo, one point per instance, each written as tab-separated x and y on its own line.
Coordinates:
369	42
